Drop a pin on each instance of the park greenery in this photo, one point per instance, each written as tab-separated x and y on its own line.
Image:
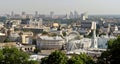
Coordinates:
58	57
112	55
14	56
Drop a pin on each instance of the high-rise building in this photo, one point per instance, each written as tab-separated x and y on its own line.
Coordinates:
23	15
71	15
51	14
84	16
67	16
76	14
12	13
36	14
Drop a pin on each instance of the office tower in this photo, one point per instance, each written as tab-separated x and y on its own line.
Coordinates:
76	14
12	14
84	16
71	15
51	14
36	14
67	16
23	14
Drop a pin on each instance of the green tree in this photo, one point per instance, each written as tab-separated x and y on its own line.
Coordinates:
64	33
44	60
56	57
102	34
13	56
53	34
37	50
7	40
81	59
112	55
31	62
104	58
1	56
75	60
44	33
110	43
34	42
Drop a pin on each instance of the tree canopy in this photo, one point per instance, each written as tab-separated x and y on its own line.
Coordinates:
56	57
112	55
81	59
59	57
14	56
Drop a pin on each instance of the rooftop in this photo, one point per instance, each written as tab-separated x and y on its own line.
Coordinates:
51	38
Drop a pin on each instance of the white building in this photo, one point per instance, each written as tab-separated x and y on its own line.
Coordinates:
102	41
2	37
84	16
1	24
84	43
71	15
37	23
76	15
47	42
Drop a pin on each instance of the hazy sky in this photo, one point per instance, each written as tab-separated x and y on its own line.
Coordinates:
61	6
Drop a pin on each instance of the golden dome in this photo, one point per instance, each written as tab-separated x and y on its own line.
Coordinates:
55	24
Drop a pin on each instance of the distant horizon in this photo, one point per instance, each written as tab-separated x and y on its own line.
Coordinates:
101	7
54	13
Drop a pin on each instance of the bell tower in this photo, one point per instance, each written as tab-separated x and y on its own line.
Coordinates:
94	43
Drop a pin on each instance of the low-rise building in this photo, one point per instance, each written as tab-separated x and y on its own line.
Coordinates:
26	39
8	44
28	48
2	37
47	42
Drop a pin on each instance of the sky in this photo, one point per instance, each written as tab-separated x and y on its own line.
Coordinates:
60	6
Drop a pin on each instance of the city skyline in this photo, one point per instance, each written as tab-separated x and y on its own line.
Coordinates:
60	6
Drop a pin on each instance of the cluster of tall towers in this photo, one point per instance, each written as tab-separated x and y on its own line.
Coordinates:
74	15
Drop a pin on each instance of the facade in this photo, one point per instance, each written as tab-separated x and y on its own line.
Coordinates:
83	43
71	15
26	39
14	37
28	48
94	38
2	37
51	14
85	28
47	42
76	15
9	44
84	16
102	41
36	23
1	24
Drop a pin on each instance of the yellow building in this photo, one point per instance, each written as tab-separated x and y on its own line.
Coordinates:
26	39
